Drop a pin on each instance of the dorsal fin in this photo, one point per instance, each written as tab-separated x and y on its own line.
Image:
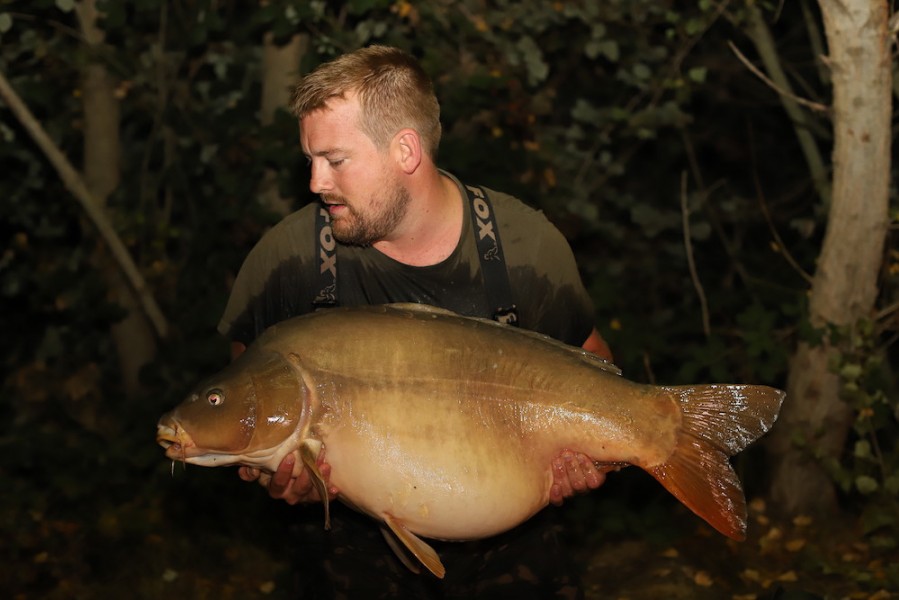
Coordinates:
421	308
585	355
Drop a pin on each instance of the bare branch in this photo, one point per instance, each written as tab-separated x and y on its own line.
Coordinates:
816	106
75	184
688	246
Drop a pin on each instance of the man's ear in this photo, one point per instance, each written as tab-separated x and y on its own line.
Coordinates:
407	149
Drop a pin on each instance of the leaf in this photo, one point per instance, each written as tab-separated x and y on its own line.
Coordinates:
533	60
866	484
585	112
606	48
862	449
892	484
641	71
851	371
5	22
703	579
65	5
697	74
694	26
802	520
653	221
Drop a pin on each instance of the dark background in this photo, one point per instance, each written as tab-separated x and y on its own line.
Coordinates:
618	119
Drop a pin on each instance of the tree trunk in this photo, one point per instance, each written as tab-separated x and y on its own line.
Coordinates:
133	336
844	288
280	72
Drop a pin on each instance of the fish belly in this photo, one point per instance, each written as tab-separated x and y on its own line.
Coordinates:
445	473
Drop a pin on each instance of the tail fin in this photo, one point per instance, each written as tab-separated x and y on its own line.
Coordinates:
718	422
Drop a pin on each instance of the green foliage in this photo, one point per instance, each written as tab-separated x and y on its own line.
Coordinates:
869	471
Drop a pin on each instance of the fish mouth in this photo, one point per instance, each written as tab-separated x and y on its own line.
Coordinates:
177	442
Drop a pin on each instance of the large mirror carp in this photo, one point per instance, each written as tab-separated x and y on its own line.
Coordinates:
442	426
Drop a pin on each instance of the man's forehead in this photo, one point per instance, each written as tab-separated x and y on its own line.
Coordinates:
327	129
336	108
335	103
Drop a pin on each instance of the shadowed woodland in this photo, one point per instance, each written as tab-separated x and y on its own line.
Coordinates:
722	169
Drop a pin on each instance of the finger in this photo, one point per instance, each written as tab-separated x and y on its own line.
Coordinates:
281	479
555	495
296	492
325	469
248	473
592	476
574	471
600	478
560	478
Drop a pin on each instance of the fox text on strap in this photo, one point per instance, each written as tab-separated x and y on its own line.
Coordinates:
326	247
490	253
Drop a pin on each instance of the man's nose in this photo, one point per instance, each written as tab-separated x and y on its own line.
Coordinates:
320	182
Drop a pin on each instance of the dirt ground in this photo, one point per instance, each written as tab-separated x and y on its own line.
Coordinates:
796	559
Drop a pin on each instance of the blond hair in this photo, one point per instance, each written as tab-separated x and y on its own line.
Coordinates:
394	93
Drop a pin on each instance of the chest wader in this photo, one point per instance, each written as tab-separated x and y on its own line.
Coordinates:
490	254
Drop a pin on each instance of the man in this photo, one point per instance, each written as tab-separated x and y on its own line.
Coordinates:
369	126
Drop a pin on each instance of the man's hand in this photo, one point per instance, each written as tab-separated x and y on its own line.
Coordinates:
294	489
573	473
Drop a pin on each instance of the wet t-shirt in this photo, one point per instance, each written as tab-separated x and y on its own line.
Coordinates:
280	277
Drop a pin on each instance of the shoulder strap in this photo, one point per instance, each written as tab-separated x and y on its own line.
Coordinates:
490	253
326	247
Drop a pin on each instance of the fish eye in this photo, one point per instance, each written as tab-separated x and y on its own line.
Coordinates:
215	397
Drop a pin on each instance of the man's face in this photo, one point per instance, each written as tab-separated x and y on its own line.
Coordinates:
356	181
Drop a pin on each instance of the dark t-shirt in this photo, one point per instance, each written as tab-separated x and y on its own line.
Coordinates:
280	277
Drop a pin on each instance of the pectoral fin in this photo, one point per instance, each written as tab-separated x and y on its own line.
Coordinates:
309	450
418	547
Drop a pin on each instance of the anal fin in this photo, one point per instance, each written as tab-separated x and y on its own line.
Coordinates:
418	547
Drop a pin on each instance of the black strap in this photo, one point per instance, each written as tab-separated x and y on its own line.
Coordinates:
490	253
327	255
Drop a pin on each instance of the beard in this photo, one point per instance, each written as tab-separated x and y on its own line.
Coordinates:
363	228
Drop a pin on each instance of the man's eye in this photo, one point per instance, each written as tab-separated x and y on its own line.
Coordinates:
335	163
